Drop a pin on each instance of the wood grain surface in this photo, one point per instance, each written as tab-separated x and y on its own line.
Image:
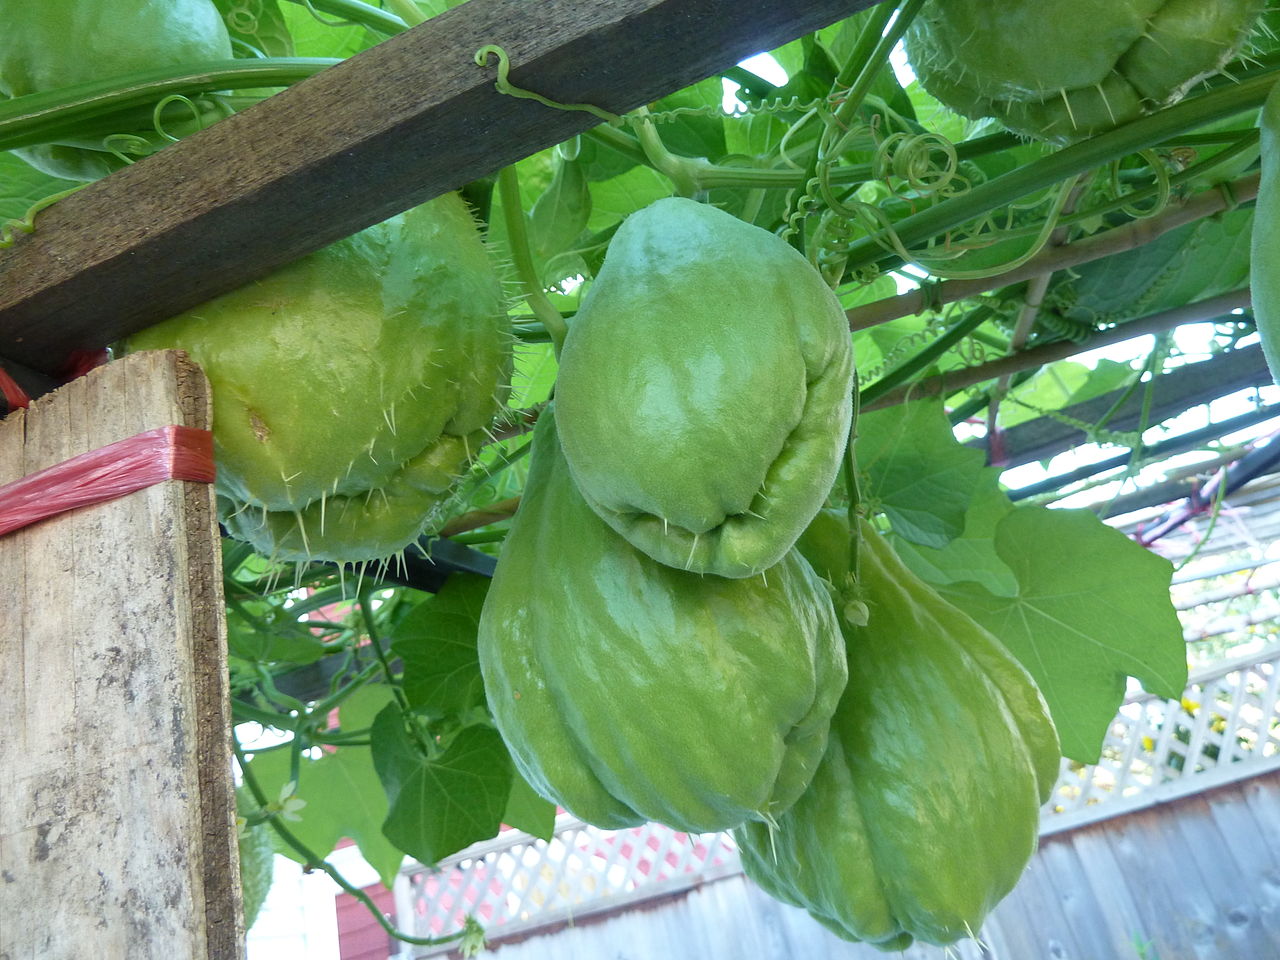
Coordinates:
117	834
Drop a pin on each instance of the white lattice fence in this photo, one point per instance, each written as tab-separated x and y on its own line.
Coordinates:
517	881
1226	726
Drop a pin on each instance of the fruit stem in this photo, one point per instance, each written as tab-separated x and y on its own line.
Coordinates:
407	10
518	241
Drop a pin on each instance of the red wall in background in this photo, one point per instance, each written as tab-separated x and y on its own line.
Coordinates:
360	937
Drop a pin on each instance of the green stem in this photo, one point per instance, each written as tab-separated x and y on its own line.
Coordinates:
362	14
853	490
241	711
407	10
313	861
679	171
1078	158
126	102
522	258
869	69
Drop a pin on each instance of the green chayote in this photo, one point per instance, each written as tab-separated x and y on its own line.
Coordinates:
925	808
628	690
705	389
351	387
1061	71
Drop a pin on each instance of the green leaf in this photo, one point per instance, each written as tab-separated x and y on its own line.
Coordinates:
437	642
21	185
528	811
534	374
273	637
1061	385
972	555
917	472
344	797
318	35
1092	608
1198	260
559	216
695	134
440	805
613	200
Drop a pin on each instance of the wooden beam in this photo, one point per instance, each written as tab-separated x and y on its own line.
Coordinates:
117	836
388	129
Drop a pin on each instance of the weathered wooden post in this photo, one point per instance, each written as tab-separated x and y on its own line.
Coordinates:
117	834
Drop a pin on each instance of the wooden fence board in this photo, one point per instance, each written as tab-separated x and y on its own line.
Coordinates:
116	813
1119	916
1208	853
1257	869
1263	799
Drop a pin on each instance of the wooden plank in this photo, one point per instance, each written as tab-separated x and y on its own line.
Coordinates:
1218	831
1118	918
390	128
1066	876
116	814
1176	907
1262	795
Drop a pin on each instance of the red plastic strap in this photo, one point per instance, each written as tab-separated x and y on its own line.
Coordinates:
14	395
118	469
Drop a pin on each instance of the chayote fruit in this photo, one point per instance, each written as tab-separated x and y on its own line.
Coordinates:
628	690
704	391
351	387
925	808
49	44
1062	71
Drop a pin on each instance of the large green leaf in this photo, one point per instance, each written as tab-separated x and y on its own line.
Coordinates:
440	804
343	795
437	642
1092	608
917	472
972	555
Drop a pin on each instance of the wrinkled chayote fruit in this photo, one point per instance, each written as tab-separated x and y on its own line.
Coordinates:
1066	70
627	690
925	808
351	387
704	391
49	44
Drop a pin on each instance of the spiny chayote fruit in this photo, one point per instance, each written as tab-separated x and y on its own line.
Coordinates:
628	690
925	808
257	860
49	44
704	391
352	387
1065	70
